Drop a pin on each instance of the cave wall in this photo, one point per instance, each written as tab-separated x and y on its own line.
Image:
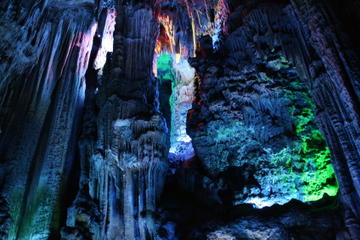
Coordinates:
266	40
124	137
124	142
45	51
83	146
335	79
255	117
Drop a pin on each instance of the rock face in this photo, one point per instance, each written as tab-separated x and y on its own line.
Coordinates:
253	125
293	225
85	126
240	125
124	143
335	76
45	51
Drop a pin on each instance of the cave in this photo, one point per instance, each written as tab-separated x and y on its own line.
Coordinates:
179	120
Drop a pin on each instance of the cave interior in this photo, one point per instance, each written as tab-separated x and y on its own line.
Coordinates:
179	120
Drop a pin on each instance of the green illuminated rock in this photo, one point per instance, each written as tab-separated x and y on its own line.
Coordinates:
164	67
256	136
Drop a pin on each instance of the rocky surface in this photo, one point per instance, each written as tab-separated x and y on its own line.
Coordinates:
239	119
176	78
334	74
85	134
124	144
45	51
253	125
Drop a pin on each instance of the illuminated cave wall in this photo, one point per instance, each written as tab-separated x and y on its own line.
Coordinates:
84	156
253	128
181	31
252	123
255	134
177	70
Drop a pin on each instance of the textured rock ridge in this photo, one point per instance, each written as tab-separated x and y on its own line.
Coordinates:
124	139
335	77
263	38
45	51
255	116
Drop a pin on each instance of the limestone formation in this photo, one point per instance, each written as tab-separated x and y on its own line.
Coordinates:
186	119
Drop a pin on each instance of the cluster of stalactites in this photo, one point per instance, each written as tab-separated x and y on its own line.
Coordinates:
184	22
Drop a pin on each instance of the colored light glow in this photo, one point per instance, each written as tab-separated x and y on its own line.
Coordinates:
177	57
200	22
301	170
107	41
193	35
183	95
163	67
176	68
261	202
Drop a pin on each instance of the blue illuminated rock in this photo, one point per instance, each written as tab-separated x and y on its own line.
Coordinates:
254	129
